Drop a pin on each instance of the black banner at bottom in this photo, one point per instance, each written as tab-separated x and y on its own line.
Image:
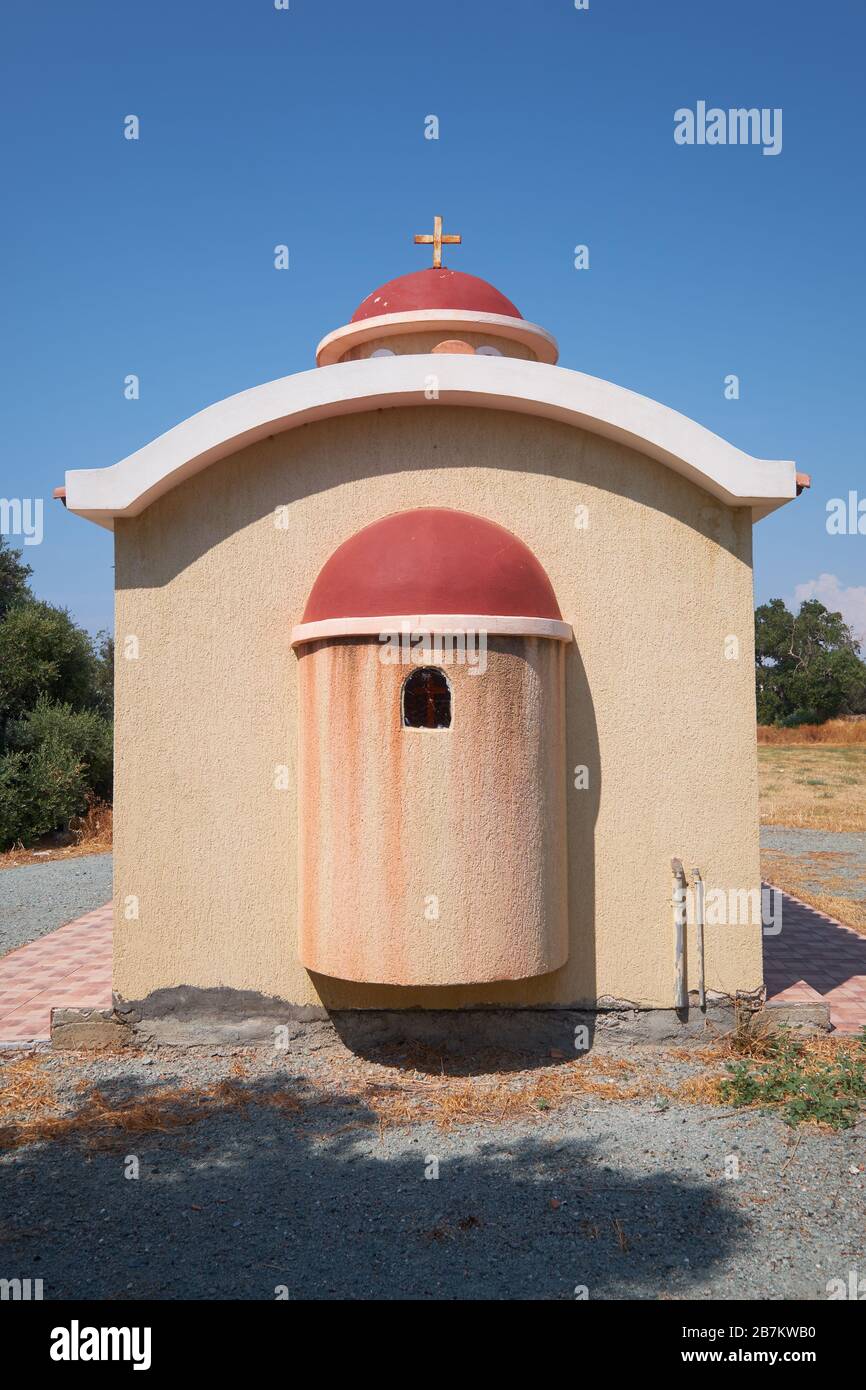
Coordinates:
63	1339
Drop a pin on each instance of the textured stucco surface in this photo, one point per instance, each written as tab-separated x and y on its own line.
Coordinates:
432	856
211	578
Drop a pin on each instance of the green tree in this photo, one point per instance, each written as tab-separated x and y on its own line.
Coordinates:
56	759
10	804
42	652
85	733
41	791
55	710
14	575
808	666
103	682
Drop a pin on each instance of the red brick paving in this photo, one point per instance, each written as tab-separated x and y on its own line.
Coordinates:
70	966
813	957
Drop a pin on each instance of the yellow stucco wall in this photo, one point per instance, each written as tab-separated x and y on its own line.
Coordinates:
210	579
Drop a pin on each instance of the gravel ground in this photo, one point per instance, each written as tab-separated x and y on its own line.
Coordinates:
848	850
628	1198
37	898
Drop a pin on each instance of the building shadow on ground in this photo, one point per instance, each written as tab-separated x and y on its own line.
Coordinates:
810	948
249	1191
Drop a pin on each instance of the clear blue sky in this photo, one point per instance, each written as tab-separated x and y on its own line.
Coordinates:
306	127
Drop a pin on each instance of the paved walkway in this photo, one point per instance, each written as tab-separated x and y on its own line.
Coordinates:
36	899
814	957
70	966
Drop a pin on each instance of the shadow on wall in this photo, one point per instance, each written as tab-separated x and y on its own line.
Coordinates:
233	493
246	1198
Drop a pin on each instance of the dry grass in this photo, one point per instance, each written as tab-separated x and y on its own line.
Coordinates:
31	1112
837	732
704	1088
813	881
621	1237
816	787
448	1101
451	1101
94	830
26	1089
759	1047
382	1098
91	834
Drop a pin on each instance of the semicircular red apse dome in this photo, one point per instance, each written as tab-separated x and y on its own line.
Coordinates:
432	560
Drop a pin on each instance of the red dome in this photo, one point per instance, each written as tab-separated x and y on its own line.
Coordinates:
431	560
435	289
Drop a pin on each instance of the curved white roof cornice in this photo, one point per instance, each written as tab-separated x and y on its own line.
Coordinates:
496	383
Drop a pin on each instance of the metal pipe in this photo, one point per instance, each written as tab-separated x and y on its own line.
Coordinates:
681	998
699	928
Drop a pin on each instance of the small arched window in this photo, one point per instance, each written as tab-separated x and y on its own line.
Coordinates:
427	699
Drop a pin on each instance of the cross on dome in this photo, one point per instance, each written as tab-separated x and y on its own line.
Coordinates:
437	240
